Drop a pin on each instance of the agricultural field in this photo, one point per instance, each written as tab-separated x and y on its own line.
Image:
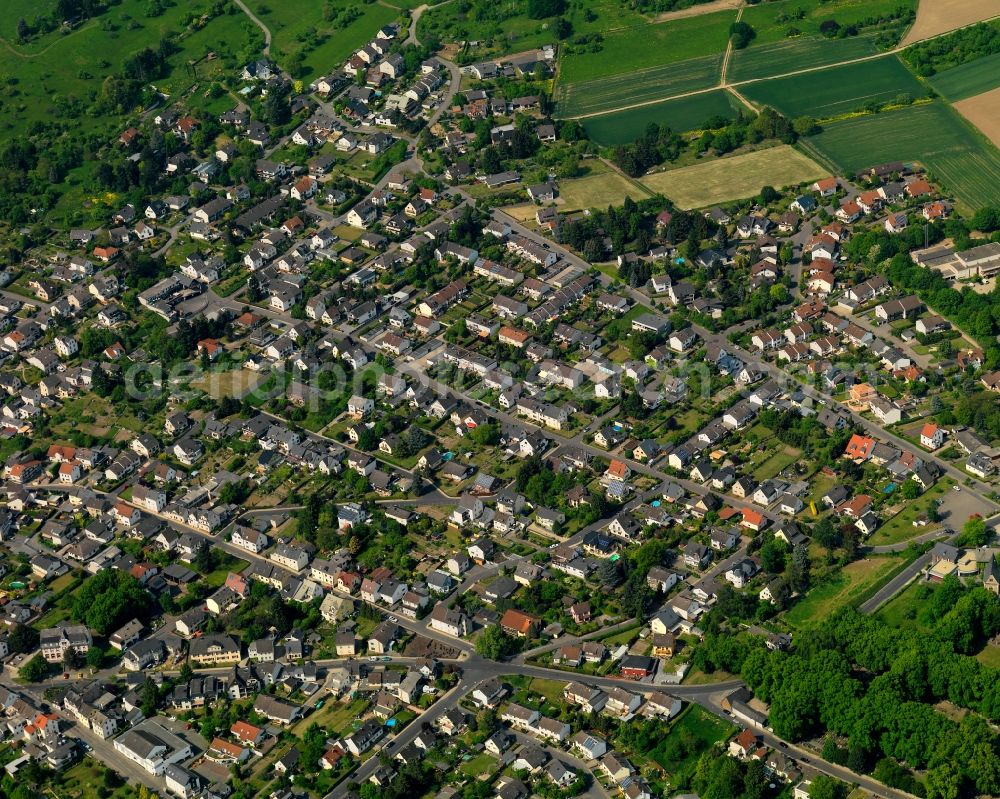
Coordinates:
775	21
312	39
723	179
682	114
837	90
789	55
940	16
598	191
932	134
968	80
983	111
66	68
606	94
634	49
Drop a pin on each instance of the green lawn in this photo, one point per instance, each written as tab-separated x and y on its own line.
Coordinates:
903	610
701	730
687	113
777	462
643	85
837	90
85	780
900	527
637	49
334	716
483	763
933	134
968	80
850	586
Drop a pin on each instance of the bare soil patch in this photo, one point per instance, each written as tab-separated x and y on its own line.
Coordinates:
983	111
940	16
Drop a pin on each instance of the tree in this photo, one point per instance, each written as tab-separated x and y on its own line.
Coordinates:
35	670
22	639
824	787
910	489
562	28
610	573
494	643
149	697
741	34
975	533
541	9
800	568
772	556
109	599
95	657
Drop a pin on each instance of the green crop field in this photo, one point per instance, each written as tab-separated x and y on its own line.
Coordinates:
932	134
968	80
606	94
774	21
301	27
687	113
630	50
790	55
837	90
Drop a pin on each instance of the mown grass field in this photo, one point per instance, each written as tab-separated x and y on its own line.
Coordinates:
723	179
630	50
686	113
598	191
932	134
789	55
837	90
854	583
968	80
300	25
773	21
605	94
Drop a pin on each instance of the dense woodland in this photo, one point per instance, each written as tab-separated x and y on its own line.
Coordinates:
960	47
873	687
